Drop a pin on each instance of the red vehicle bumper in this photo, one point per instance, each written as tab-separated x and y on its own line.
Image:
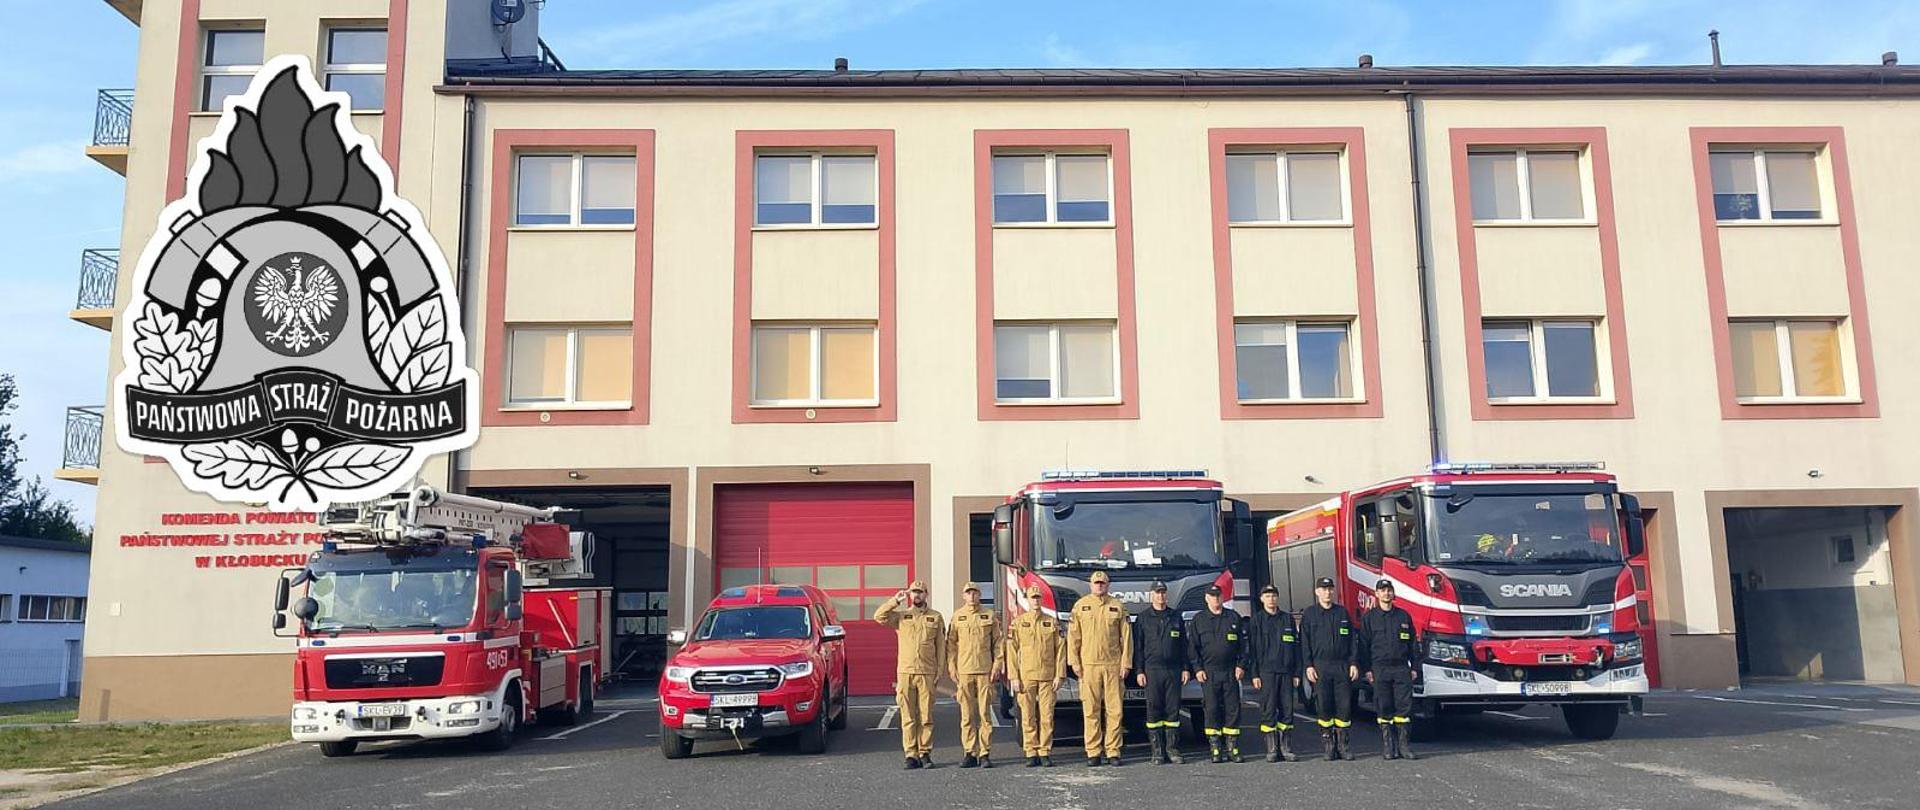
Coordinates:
784	709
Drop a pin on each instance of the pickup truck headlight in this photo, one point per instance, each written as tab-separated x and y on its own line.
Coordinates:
797	669
1447	651
463	707
1628	650
678	674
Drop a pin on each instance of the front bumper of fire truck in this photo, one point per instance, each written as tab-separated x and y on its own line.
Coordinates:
420	718
1462	672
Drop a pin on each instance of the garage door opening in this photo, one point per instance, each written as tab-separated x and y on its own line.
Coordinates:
631	530
1813	595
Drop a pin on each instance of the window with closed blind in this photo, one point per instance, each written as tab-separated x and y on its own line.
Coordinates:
814	365
1527	185
1789	360
581	366
1040	363
1052	188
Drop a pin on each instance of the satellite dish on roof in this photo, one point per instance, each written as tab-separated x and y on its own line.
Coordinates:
508	12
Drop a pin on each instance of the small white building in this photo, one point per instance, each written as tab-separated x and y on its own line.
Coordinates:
43	612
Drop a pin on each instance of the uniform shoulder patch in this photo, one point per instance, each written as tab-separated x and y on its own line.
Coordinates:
1046	623
1086	607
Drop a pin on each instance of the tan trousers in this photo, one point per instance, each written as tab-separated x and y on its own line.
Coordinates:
914	695
1036	717
974	693
1100	710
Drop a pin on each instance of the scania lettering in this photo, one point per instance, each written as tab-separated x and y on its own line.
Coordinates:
1520	577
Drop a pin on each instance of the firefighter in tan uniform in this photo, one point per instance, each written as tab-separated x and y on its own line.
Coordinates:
923	648
1100	649
1036	658
973	661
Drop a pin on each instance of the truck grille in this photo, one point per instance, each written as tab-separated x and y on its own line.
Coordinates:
1561	623
384	673
736	680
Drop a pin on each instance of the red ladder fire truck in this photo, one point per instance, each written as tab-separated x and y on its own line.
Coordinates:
428	615
1518	577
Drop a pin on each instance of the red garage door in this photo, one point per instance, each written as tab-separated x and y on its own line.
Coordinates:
855	541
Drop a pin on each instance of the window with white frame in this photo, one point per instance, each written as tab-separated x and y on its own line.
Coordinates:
1052	188
570	366
1055	362
1542	359
230	58
816	189
1289	186
1527	185
1784	359
814	364
574	190
1283	360
37	608
6	607
1765	184
357	64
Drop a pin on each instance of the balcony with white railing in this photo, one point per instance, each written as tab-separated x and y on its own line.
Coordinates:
99	282
112	129
80	460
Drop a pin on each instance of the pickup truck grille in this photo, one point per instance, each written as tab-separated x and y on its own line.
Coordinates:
383	673
736	680
1556	623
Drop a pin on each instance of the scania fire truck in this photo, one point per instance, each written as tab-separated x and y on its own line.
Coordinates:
1517	575
1176	526
428	615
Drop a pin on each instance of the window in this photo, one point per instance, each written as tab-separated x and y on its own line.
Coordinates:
815	189
231	57
1527	185
6	607
1842	548
1054	362
1787	359
568	190
357	65
496	593
1522	357
570	366
53	608
814	365
1764	184
1051	188
1285	187
1288	360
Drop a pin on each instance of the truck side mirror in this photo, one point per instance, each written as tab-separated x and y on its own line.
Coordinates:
514	612
679	637
1241	539
306	608
516	586
1635	524
831	632
282	589
1003	534
1390	537
279	621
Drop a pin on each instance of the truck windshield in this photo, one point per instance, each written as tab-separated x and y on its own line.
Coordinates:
393	599
736	624
1521	529
1127	534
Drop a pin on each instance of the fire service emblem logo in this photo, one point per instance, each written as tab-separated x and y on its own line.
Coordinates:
292	336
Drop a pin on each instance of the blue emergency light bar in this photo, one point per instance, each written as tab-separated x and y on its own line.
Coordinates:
1086	475
1470	467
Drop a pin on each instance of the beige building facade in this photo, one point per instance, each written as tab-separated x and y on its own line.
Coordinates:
691	296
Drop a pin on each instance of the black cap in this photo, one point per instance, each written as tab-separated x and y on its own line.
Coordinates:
1383	584
1158	587
1269	590
1212	590
1323	582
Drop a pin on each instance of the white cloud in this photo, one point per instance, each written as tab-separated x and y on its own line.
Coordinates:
1627	54
42	159
1056	52
662	39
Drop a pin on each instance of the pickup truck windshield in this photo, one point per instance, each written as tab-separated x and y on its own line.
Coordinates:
738	624
1128	534
393	599
1523	529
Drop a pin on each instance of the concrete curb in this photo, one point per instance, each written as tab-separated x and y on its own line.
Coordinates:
163	771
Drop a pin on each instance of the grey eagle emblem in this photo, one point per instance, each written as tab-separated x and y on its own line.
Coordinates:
296	295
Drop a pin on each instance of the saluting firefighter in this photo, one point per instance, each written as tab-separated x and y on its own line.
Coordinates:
923	648
1160	666
1391	651
1036	665
973	661
1327	644
1273	655
1216	643
1100	649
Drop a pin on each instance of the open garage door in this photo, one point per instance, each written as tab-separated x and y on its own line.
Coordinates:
1813	594
855	541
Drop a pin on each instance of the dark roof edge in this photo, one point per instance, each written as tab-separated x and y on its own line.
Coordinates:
9	541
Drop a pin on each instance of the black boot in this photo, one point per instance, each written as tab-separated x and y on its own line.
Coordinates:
986	760
1233	748
1405	732
1215	755
1286	746
1273	746
1113	761
1340	743
1156	747
1093	760
913	763
1046	761
968	761
926	760
1326	745
1387	750
1170	741
1033	761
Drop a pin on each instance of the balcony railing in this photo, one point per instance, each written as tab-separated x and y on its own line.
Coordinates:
83	438
99	278
113	118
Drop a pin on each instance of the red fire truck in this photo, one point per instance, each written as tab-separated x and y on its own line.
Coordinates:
1176	526
428	615
1518	576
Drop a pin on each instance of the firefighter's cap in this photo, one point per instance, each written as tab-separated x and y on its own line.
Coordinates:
1323	582
1269	590
916	585
1212	590
971	586
1036	591
1158	587
1383	585
1099	576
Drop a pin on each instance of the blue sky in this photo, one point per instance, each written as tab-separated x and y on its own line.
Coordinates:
57	202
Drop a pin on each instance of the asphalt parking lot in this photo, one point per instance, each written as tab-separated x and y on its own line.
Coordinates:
1768	746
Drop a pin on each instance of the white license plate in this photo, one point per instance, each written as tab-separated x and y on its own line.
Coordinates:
725	701
1547	688
383	709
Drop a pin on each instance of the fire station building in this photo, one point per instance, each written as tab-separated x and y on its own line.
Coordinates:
811	325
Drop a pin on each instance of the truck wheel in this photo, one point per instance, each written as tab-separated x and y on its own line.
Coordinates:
1592	721
338	749
672	745
839	721
581	710
813	737
501	738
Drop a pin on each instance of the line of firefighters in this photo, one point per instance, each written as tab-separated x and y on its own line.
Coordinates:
1159	652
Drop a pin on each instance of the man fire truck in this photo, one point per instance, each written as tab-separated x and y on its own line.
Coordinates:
1516	576
1138	526
429	615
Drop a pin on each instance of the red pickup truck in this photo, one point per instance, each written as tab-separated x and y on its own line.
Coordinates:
763	661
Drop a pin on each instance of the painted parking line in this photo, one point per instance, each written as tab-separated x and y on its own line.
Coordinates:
1512	716
563	735
1782	704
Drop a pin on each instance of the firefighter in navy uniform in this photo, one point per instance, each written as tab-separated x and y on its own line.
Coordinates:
1160	664
1389	649
1217	645
1326	635
1273	657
